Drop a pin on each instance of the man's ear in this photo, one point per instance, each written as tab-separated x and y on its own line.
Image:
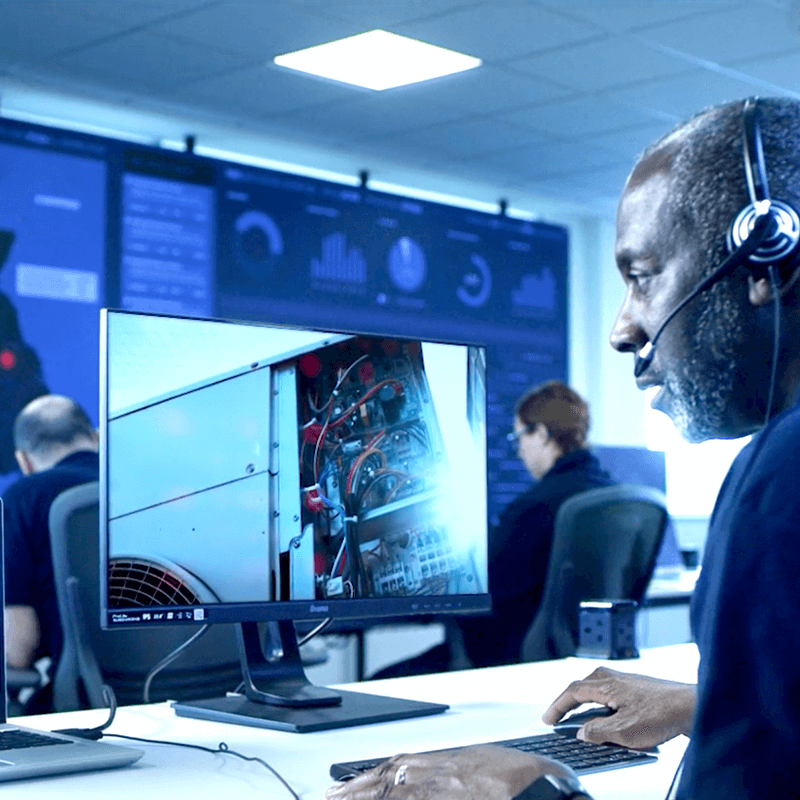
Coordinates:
759	290
24	461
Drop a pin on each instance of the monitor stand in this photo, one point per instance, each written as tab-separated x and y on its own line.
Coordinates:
279	695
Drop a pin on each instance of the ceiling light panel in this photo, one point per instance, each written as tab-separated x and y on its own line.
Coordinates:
377	60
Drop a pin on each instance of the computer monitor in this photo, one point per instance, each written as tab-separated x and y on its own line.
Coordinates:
254	473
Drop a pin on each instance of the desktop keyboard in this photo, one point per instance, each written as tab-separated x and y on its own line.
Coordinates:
583	757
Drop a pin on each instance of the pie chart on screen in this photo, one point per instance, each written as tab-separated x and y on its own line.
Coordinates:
476	283
258	242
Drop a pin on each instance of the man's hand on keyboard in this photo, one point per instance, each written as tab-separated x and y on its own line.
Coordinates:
483	772
648	711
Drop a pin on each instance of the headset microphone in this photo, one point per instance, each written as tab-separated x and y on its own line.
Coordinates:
760	231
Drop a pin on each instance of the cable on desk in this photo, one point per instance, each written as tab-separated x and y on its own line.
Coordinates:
97	733
222	748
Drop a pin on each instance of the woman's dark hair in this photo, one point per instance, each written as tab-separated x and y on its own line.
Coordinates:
560	409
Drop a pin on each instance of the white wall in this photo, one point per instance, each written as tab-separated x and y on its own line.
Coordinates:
602	375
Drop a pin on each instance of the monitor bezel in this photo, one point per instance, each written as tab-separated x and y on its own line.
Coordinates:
378	608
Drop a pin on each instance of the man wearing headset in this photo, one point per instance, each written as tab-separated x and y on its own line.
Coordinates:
707	245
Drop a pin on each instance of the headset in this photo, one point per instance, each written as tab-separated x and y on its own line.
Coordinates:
781	241
763	237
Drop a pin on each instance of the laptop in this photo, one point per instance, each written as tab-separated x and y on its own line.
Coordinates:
31	753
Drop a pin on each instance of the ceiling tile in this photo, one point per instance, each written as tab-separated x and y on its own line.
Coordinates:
100	86
623	15
146	59
551	159
498	31
750	30
684	96
599	65
265	90
489	89
628	141
781	70
569	119
131	13
256	30
466	139
604	182
33	32
371	114
384	14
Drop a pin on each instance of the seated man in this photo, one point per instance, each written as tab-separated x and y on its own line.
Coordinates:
726	366
56	448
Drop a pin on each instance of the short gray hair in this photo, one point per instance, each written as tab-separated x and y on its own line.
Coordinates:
703	158
49	423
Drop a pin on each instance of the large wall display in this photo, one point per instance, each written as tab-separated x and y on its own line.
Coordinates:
88	222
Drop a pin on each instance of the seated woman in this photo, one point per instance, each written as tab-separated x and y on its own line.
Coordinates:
551	424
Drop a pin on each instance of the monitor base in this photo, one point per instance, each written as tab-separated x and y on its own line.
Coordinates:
355	709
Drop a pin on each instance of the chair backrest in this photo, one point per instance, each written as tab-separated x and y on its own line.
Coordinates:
605	546
122	659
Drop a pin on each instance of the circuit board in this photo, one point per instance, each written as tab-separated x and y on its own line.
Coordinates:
371	459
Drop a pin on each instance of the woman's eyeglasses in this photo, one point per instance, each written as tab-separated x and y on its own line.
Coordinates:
515	436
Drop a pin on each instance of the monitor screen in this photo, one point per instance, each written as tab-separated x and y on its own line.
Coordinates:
253	472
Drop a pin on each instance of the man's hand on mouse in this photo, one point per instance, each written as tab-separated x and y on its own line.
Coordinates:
482	772
648	711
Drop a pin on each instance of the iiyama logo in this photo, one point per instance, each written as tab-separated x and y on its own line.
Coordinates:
315	609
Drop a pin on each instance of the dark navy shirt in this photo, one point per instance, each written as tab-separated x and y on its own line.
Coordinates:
745	742
28	564
519	549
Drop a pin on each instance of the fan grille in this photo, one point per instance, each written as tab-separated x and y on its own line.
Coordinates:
144	583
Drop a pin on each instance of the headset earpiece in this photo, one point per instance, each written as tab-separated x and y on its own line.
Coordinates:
782	240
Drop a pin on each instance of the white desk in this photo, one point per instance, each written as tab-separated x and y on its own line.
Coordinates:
486	705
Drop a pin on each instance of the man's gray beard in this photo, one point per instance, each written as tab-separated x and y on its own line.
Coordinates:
702	389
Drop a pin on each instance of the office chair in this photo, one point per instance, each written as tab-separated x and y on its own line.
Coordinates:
122	659
22	684
605	546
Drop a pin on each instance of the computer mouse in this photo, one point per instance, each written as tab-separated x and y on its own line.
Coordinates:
569	725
